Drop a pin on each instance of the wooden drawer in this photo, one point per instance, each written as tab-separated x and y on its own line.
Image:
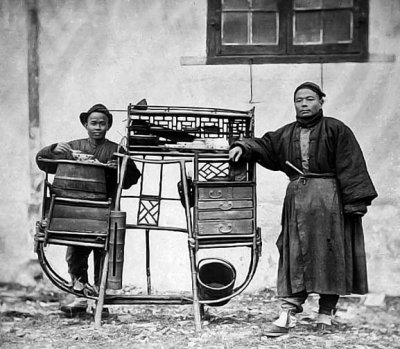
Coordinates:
224	193
242	192
242	227
233	214
224	205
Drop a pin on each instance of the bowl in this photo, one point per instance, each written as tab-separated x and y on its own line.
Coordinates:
79	156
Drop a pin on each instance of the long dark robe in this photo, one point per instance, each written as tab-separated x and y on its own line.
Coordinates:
321	248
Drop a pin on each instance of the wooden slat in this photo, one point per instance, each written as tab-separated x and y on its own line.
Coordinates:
72	224
76	243
79	234
233	214
90	203
79	212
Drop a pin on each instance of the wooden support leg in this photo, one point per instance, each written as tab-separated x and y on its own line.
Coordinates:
196	304
102	292
148	272
192	250
120	183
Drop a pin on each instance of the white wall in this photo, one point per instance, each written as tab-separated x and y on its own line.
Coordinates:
15	241
117	52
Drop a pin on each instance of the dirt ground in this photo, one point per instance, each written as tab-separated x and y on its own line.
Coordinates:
30	318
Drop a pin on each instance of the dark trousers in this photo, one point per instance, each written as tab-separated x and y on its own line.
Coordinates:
77	259
327	302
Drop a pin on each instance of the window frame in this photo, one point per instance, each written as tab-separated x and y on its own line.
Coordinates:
285	51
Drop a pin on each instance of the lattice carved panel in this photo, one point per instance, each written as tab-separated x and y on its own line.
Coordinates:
210	170
149	212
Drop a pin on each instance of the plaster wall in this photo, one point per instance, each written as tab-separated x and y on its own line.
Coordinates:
117	52
15	240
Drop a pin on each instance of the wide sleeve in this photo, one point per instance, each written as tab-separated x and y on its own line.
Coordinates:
47	153
351	170
261	150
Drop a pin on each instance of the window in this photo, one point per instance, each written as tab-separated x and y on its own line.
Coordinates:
287	31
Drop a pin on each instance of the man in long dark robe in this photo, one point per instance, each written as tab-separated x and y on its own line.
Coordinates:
97	122
321	244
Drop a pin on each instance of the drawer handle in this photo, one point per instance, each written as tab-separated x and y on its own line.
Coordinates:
225	229
214	195
225	206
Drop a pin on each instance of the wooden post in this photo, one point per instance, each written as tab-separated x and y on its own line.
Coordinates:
148	269
102	293
192	255
36	176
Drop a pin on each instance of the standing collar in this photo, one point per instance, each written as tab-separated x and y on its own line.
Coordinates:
309	121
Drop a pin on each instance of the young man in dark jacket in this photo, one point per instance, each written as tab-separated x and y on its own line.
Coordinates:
97	121
321	244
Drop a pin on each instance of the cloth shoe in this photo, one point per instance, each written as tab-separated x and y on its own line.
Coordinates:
76	285
85	289
282	325
77	306
324	322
